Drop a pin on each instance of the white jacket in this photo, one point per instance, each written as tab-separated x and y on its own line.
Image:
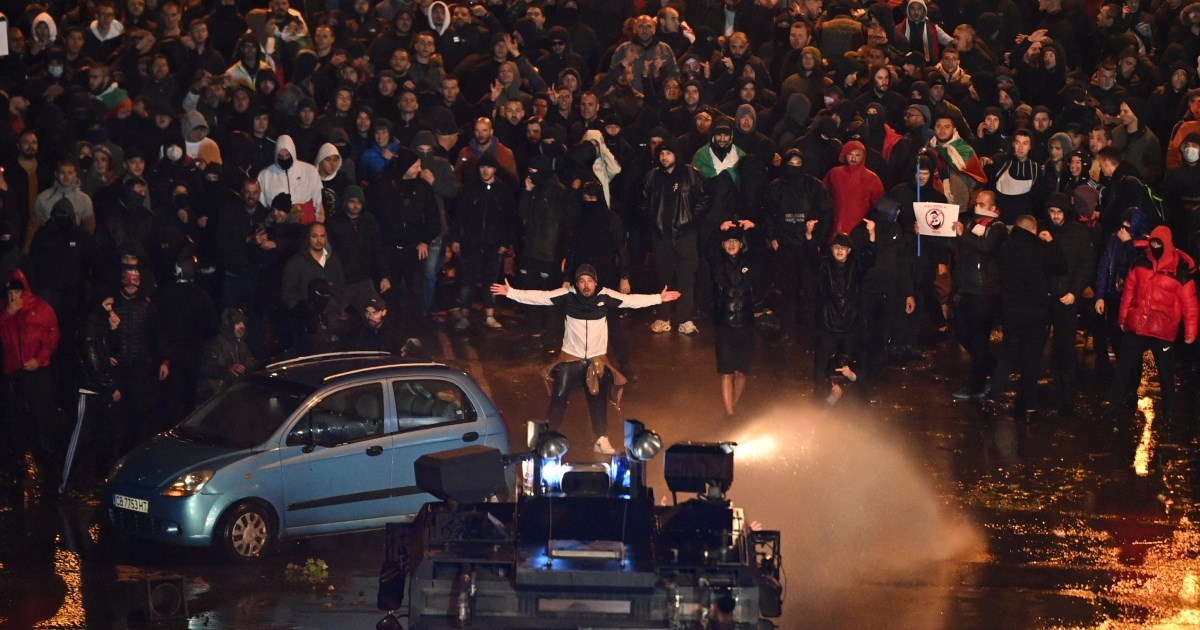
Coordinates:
585	336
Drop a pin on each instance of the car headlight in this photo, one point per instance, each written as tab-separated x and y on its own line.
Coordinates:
188	484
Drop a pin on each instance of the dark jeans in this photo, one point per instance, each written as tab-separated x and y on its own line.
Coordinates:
32	424
1065	320
541	275
675	262
1024	339
406	297
139	393
796	281
478	265
973	329
925	274
432	267
95	451
569	376
1129	365
879	324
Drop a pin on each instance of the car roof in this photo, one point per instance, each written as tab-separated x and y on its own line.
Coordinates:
318	370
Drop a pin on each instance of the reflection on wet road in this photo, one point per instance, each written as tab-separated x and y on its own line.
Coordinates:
909	512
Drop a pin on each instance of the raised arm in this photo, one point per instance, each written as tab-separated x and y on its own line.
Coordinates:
527	296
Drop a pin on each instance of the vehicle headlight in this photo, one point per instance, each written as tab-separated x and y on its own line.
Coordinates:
188	484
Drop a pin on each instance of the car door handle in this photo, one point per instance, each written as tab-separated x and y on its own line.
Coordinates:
374	450
470	437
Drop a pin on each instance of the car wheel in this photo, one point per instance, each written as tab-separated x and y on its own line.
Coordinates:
249	532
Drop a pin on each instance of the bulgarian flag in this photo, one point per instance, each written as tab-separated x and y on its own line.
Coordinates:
958	155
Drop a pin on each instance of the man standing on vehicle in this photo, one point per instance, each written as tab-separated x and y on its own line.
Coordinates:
583	360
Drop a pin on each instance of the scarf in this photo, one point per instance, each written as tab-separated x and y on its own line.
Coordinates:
957	155
710	164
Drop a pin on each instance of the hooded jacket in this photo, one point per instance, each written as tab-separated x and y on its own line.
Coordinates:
810	83
205	148
924	37
30	333
605	167
223	352
854	190
548	214
792	200
439	28
44	18
301	181
80	202
1160	294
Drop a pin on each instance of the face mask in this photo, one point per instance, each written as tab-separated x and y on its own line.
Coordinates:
792	170
284	164
1191	154
181	201
85	163
174	153
54	71
828	101
894	214
131	277
1156	248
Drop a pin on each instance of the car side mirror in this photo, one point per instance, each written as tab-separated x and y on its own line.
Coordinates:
302	434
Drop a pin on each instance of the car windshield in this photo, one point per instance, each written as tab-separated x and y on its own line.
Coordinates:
244	415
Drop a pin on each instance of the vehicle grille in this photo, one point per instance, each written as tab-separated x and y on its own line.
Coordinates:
137	523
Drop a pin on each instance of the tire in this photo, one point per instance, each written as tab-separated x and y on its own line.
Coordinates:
249	532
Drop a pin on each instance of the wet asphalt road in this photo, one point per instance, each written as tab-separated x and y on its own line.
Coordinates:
909	512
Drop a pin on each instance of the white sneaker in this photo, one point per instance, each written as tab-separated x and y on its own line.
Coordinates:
660	326
463	323
492	323
602	446
688	328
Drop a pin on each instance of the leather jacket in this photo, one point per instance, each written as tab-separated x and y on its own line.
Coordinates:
674	202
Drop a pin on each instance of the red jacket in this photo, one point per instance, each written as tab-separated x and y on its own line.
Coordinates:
30	333
1159	294
854	190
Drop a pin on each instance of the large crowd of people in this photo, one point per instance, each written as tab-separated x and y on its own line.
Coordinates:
192	187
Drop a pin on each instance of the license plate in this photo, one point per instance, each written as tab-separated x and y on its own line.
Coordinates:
130	503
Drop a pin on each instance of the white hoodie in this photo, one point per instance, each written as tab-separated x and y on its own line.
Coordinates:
45	18
440	28
301	181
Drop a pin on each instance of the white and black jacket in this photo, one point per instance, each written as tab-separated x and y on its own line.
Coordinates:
586	333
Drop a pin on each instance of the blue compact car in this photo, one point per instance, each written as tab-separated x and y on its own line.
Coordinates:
311	446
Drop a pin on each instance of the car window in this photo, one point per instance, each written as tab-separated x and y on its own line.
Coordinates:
346	415
423	403
245	414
